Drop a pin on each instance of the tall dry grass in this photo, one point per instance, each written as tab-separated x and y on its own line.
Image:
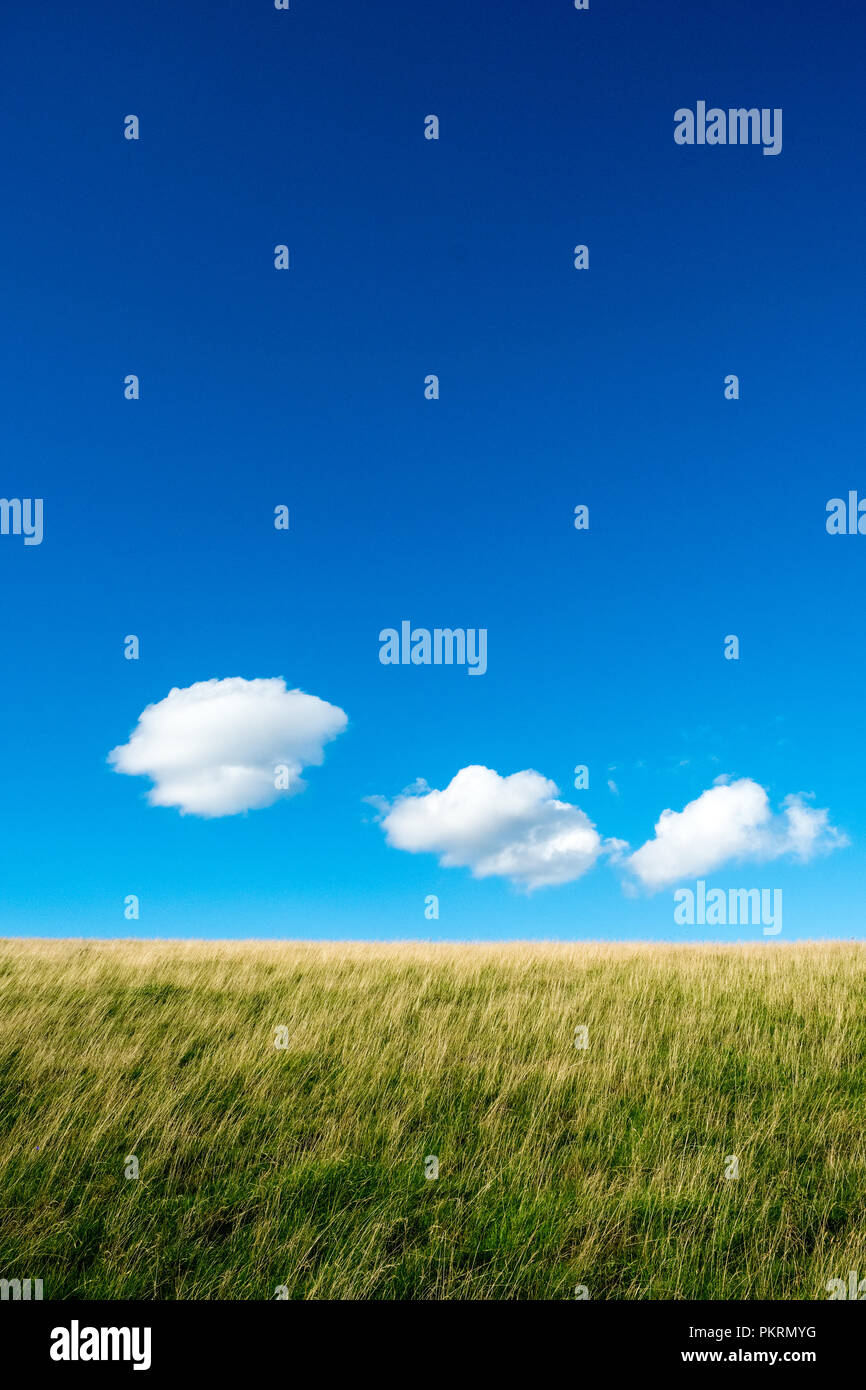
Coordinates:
559	1166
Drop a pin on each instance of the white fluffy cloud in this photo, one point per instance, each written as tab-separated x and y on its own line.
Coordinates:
213	749
513	827
730	821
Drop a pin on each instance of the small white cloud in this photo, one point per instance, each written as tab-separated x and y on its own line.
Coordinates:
612	787
730	821
512	827
213	748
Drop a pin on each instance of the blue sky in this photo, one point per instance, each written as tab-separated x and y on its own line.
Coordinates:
306	387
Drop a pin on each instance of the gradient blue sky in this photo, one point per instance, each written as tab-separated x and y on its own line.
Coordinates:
306	388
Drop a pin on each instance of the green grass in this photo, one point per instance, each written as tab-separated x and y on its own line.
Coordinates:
559	1166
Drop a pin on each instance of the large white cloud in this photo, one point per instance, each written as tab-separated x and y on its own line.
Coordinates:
213	749
730	821
513	827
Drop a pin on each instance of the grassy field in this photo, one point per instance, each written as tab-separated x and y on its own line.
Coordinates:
304	1166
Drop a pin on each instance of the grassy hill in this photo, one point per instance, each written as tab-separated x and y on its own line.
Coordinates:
304	1166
